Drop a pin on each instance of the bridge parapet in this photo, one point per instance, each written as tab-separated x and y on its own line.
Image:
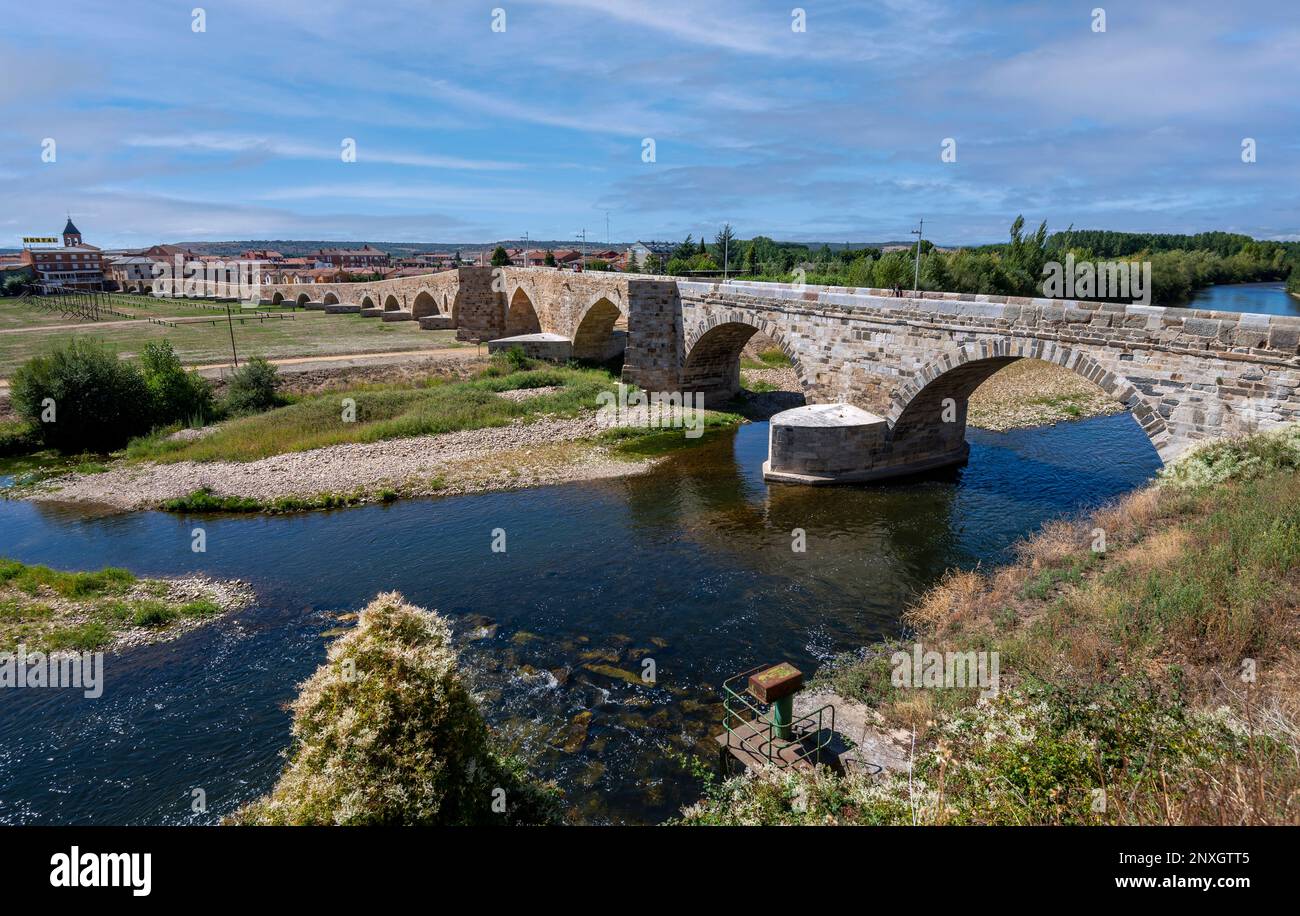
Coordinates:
1192	330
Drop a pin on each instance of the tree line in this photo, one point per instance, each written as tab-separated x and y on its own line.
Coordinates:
1180	264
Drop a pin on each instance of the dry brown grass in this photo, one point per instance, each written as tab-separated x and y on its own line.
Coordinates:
954	601
1056	542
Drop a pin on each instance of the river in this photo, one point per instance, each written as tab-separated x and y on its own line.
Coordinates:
1269	298
690	566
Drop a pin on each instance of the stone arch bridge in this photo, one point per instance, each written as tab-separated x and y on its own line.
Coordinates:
886	378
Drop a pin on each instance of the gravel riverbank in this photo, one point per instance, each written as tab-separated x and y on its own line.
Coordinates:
521	454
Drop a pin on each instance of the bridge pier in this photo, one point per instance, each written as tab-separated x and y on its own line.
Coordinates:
821	444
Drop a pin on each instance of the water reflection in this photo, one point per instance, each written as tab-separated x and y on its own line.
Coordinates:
690	566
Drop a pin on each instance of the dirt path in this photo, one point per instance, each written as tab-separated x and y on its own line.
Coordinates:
391	357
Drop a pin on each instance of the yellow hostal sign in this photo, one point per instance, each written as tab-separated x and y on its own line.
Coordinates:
39	240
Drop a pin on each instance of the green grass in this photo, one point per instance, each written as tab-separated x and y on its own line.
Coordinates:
82	637
1123	673
637	442
18	437
204	500
31	579
387	412
51	610
306	334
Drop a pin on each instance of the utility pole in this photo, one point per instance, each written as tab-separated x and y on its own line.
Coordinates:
525	249
916	282
231	324
726	255
583	262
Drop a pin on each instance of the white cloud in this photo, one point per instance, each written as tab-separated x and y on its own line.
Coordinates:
244	143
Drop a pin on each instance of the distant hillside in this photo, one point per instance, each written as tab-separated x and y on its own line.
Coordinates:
301	247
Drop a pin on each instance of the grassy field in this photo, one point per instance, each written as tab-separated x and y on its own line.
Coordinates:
1150	671
47	609
387	412
305	334
21	314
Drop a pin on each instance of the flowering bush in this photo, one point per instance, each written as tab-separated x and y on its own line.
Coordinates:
387	732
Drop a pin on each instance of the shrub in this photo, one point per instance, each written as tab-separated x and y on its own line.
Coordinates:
253	388
18	438
176	395
515	359
153	614
1245	458
96	402
387	732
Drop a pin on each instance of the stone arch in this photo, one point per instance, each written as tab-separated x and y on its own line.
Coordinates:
391	304
594	336
425	304
367	302
916	417
712	363
303	298
330	298
521	315
277	298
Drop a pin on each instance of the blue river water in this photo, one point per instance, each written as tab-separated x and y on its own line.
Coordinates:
1269	298
690	565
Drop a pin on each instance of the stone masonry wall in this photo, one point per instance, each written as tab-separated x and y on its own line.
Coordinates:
1187	374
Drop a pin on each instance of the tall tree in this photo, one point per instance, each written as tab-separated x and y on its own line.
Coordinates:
724	244
500	258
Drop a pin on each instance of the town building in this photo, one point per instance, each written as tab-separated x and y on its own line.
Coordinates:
642	251
265	255
76	264
365	256
130	272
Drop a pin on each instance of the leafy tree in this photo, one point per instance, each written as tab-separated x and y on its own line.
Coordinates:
654	264
724	245
685	249
894	269
934	272
15	282
176	395
253	388
500	258
81	398
549	260
702	261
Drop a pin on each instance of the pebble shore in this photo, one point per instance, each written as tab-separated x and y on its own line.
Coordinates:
504	457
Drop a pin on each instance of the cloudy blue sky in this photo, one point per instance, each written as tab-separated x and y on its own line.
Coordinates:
466	134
